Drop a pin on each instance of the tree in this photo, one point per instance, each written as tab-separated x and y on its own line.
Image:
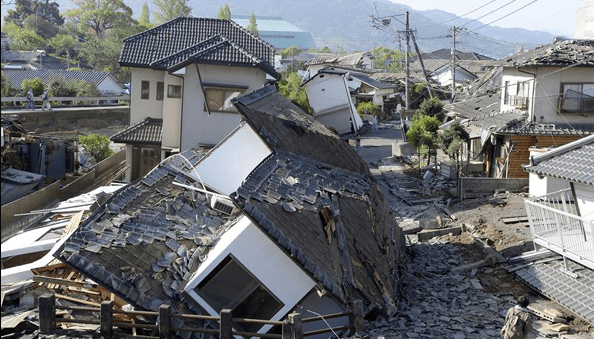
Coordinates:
145	17
432	107
324	49
369	108
63	43
5	85
100	16
48	11
41	26
171	9
289	87
104	54
96	145
224	12
22	39
253	26
422	134
453	140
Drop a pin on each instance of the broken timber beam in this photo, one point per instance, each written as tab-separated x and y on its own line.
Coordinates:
60	281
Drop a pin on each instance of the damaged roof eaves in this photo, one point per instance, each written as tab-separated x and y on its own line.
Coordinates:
150	237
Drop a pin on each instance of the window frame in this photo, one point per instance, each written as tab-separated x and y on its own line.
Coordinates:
581	109
246	292
209	88
160	93
173	94
145	93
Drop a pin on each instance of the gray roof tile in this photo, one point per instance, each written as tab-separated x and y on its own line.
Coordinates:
205	40
571	162
148	131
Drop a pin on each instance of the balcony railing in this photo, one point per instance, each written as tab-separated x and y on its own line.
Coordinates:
519	102
555	224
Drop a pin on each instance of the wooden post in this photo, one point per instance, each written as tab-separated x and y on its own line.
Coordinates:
106	317
47	313
356	316
226	329
293	328
165	321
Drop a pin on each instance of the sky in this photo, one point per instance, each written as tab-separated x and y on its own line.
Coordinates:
554	16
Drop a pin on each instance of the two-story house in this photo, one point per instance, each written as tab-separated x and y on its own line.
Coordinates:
184	74
547	99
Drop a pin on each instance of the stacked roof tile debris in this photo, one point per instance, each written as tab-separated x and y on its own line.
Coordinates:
570	52
313	196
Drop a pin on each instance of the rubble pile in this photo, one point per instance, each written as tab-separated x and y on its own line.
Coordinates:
445	297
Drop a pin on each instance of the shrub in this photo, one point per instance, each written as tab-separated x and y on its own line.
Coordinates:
96	145
35	84
432	107
5	85
368	108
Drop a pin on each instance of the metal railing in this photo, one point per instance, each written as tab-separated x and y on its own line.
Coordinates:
167	323
556	225
518	101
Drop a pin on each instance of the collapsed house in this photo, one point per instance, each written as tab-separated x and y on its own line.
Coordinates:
282	215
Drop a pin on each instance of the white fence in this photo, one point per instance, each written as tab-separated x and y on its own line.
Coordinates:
555	224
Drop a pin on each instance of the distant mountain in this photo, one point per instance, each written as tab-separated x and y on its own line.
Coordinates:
347	24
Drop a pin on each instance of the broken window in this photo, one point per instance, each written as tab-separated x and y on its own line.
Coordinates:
219	99
145	89
160	90
231	286
173	91
327	217
577	98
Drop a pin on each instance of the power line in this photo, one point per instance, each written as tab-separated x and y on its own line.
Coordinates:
506	15
495	10
459	16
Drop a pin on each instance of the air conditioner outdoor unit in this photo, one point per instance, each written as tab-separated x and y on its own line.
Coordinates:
222	205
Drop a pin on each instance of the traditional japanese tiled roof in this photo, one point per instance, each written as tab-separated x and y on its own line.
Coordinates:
571	162
289	195
371	82
446	53
204	40
47	76
533	128
147	132
564	53
146	240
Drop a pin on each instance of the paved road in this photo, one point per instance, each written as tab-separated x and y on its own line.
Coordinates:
378	145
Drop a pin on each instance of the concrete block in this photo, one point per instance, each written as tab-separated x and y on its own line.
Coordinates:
431	224
403	149
427	234
410	226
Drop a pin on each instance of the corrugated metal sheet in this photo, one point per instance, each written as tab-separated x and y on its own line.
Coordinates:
574	290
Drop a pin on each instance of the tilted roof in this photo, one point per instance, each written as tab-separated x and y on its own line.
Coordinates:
288	196
203	40
148	131
285	126
571	162
564	53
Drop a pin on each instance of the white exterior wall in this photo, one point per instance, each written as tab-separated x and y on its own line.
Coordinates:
444	77
172	108
129	157
143	108
199	128
265	261
110	86
330	101
548	90
227	166
585	198
538	187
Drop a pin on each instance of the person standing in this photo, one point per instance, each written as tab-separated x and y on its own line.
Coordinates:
30	103
46	103
518	322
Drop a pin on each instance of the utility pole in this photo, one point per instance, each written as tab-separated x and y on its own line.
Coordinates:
406	89
453	62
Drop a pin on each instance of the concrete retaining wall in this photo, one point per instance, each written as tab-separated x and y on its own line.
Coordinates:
476	186
70	119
